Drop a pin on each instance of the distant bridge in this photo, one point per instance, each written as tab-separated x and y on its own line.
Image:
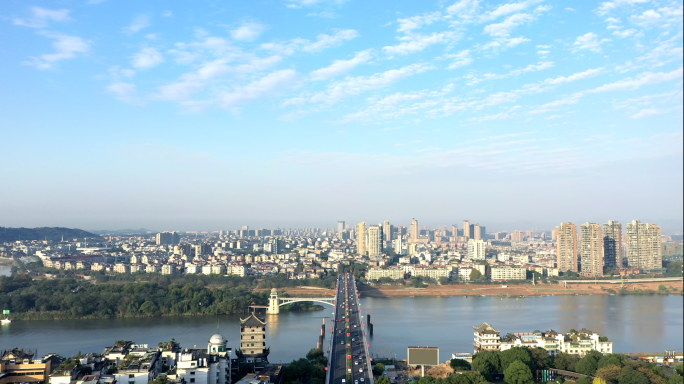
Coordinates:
275	302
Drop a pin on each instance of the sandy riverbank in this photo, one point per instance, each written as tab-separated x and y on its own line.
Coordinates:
598	288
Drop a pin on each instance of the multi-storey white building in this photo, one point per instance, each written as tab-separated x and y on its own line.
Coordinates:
578	343
210	366
377	273
486	338
508	273
476	249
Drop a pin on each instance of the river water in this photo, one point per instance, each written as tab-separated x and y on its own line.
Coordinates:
633	323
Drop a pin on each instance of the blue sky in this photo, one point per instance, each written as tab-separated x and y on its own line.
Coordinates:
214	114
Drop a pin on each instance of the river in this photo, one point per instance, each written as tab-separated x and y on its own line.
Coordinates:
633	323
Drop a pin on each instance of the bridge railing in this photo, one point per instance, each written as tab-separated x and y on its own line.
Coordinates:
363	336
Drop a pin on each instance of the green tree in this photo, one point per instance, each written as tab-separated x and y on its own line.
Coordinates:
630	376
379	368
160	380
599	380
426	380
518	372
475	275
680	369
459	365
383	380
487	362
584	380
565	362
587	365
611	359
609	373
675	379
540	358
516	354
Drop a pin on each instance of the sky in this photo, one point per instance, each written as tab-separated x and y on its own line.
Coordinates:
209	115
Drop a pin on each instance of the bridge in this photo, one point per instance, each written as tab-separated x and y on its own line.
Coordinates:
275	302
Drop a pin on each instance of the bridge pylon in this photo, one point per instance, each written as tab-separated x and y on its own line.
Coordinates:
273	303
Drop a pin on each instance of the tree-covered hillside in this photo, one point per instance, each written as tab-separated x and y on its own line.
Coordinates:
43	233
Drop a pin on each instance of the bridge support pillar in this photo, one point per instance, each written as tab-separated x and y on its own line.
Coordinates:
273	303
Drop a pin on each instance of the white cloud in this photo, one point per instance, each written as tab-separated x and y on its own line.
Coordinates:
248	31
574	77
649	17
464	9
147	58
461	59
322	42
167	13
505	27
66	47
273	83
473	79
569	100
309	3
589	41
125	92
625	33
339	67
351	86
322	15
646	78
608	6
41	17
416	22
415	43
139	22
504	42
644	113
508	8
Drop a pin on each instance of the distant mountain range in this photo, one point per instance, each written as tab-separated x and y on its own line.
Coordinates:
43	233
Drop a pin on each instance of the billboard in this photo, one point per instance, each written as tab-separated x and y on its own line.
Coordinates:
423	356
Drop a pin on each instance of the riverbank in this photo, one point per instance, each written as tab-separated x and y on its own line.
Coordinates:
598	288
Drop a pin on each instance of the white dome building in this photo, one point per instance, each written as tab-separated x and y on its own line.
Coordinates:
217	343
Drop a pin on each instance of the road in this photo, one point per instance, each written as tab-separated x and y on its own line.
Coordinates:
348	335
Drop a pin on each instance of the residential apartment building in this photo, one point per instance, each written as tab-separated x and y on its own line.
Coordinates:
210	366
392	273
591	249
466	229
644	249
432	273
578	343
612	244
375	240
566	247
508	273
476	249
414	231
361	234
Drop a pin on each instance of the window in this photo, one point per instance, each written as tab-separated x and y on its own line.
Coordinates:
192	373
131	376
131	382
192	380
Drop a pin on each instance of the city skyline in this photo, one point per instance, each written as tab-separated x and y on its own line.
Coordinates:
123	115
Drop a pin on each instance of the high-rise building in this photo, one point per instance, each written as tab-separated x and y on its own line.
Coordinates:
517	236
414	231
375	239
644	249
476	249
398	245
529	233
361	234
591	249
566	247
167	238
466	229
612	244
340	227
387	230
477	232
454	230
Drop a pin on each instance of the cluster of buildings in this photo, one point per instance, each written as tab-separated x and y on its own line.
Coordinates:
394	252
130	363
574	342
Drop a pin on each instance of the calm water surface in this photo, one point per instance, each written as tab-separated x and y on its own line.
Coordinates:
634	323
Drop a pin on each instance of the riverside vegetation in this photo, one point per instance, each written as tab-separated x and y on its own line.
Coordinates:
140	294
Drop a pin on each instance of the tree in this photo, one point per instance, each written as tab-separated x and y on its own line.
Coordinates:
383	380
676	379
587	365
487	362
475	275
160	380
609	373
459	365
565	362
611	359
584	380
444	280
599	380
629	376
516	354
518	372
540	358
680	369
426	380
379	368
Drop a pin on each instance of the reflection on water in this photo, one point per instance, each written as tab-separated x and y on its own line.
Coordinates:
634	323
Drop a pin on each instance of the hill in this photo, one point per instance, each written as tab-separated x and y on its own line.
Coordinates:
49	233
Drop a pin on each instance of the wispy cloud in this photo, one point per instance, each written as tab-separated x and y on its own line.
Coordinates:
66	47
147	58
247	31
139	22
339	67
589	41
41	17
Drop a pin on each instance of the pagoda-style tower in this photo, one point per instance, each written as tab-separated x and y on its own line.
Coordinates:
253	339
